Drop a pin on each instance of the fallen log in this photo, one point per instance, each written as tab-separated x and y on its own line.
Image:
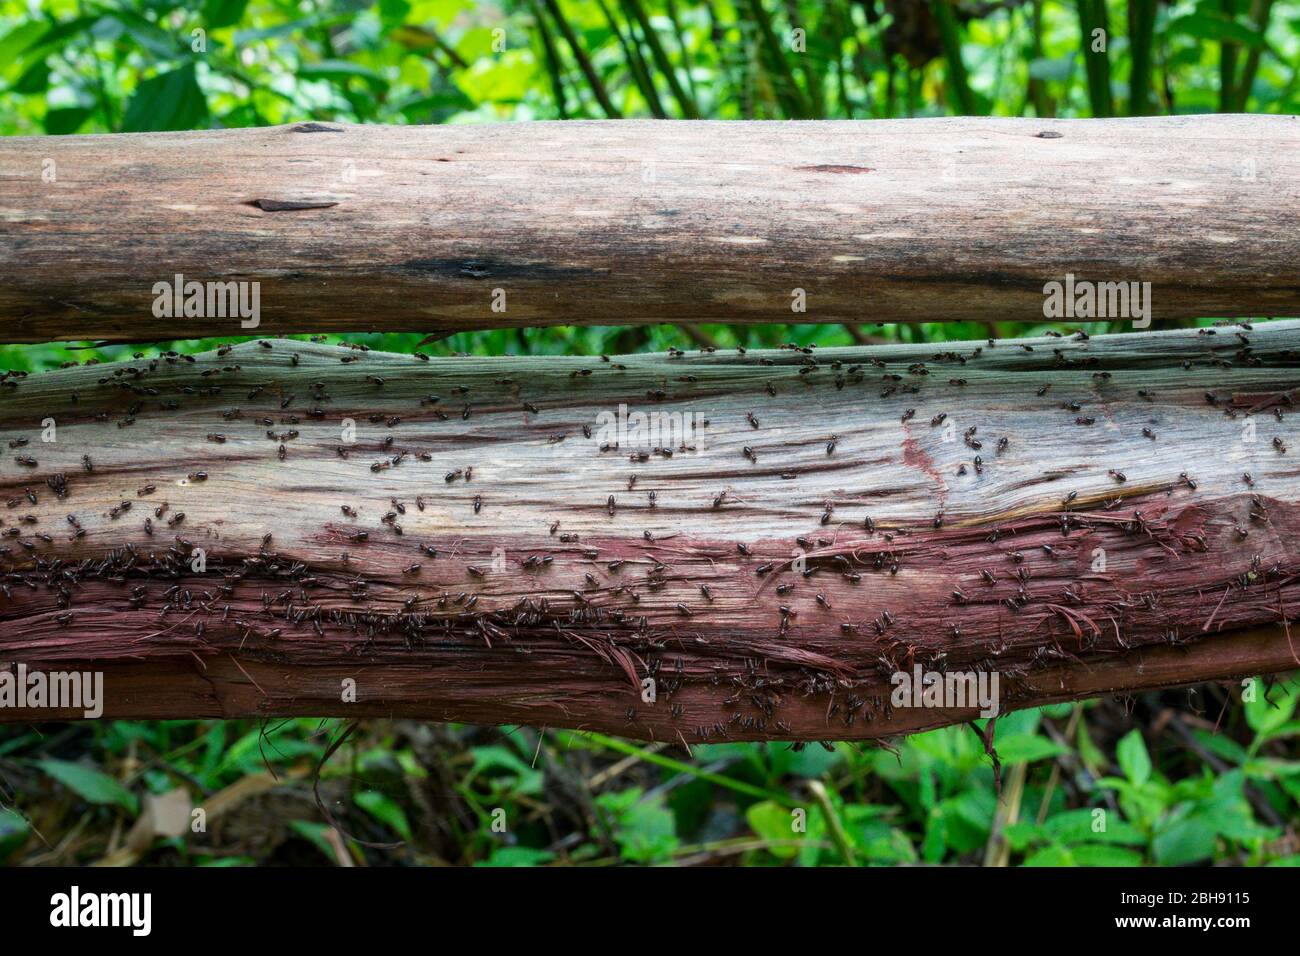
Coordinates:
448	228
705	546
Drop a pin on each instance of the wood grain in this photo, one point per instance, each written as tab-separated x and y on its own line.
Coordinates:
362	228
1116	558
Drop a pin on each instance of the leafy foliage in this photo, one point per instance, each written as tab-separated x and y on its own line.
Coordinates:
1120	793
131	65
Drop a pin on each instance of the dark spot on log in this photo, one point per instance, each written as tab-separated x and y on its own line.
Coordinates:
314	128
831	168
491	268
1049	134
1000	279
288	205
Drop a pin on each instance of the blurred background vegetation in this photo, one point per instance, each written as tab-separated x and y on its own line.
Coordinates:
1183	776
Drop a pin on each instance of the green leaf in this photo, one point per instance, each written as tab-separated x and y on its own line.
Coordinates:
1271	708
161	45
255	749
813	762
61	122
92	785
1018	723
223	13
774	822
885	844
1266	768
877	841
315	833
1230	811
339	71
810	852
1188	840
1209	26
771	821
1050	856
25	48
968	817
1076	826
36	79
1221	745
644	827
13	831
1131	753
439	105
170	100
19	39
393	12
385	810
1026	749
1021	834
60	33
517	856
935	842
243	38
927	788
1290	729
526	780
1092	855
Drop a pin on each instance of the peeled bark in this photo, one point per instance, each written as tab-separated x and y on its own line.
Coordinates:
448	228
1147	537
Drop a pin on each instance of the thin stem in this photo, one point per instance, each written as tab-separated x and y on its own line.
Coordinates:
587	739
1142	18
682	48
1227	61
1260	12
842	27
552	57
584	62
685	102
812	78
959	91
833	823
793	100
635	63
1094	31
101	85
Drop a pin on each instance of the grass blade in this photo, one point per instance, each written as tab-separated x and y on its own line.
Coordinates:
960	94
552	58
792	98
685	102
584	62
1092	19
1142	17
635	63
668	763
1227	62
1260	12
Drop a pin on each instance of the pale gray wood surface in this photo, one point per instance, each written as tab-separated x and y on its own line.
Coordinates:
619	222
